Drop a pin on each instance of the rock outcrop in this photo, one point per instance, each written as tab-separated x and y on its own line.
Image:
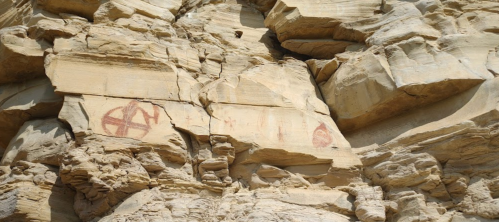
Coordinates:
249	110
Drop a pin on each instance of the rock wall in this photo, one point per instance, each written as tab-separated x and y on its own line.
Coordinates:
249	110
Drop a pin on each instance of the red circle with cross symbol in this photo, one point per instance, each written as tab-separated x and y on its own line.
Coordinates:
125	123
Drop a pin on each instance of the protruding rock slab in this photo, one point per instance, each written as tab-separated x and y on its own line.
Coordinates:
102	179
471	50
259	205
143	122
280	136
153	8
317	48
322	70
14	12
84	8
38	141
112	76
369	87
20	102
34	192
295	19
21	58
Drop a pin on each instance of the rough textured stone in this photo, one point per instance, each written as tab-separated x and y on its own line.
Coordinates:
22	57
38	141
388	84
20	102
67	70
28	186
291	19
249	110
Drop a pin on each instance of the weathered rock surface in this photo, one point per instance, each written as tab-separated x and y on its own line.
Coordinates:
20	102
158	81
14	12
265	205
22	57
291	19
38	141
249	110
388	82
29	186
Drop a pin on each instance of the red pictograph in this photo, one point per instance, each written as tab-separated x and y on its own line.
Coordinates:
126	123
321	137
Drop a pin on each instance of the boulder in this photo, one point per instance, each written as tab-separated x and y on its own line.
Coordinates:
38	141
293	19
82	8
378	84
21	57
20	102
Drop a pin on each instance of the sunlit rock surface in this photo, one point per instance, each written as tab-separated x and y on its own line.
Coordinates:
249	110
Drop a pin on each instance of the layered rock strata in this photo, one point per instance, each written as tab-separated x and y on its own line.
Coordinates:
249	110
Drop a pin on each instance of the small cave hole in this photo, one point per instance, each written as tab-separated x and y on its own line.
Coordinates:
239	34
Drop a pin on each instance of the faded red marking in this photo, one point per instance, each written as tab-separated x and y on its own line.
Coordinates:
280	134
229	121
322	138
129	112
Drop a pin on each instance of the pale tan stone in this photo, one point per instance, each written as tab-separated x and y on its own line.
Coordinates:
126	118
128	41
443	137
190	118
316	141
323	69
152	9
292	19
49	29
493	62
369	204
78	7
400	24
14	12
317	48
38	141
449	118
261	205
263	5
113	76
20	102
111	11
21	57
101	180
412	63
478	200
471	50
268	85
414	207
30	186
185	57
370	87
235	27
206	120
212	68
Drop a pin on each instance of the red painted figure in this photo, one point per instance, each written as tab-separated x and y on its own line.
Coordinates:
321	137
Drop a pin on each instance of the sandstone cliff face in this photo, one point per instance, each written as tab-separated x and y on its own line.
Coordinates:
249	110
